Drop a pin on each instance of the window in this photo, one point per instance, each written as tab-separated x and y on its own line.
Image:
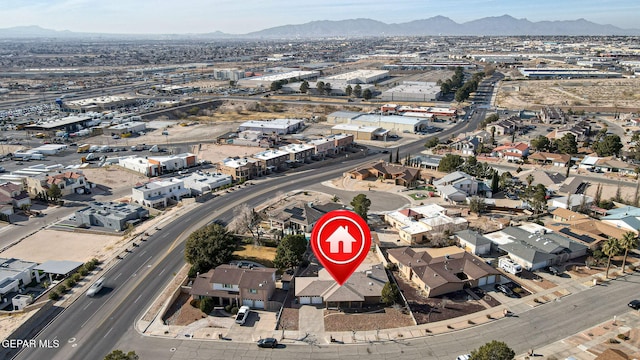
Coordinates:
253	291
227	286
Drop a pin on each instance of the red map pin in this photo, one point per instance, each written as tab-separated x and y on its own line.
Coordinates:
341	240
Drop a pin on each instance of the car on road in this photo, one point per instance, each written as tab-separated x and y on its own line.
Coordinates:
464	357
268	343
96	287
505	290
553	270
634	304
242	315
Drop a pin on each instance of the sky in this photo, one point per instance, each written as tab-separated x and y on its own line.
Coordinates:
243	16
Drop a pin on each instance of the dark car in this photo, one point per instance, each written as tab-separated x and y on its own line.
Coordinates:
505	290
634	304
268	343
554	270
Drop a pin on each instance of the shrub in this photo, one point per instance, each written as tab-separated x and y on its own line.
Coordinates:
62	288
95	261
54	295
234	310
614	341
517	290
76	276
70	282
83	271
89	266
623	337
195	303
227	308
206	305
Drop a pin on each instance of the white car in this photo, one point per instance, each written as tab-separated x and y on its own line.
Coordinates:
96	287
464	357
242	315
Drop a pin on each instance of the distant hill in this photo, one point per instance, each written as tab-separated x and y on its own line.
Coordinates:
504	25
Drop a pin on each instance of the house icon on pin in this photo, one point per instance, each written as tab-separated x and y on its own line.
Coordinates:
341	235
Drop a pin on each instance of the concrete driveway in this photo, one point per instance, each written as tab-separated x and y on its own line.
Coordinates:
260	324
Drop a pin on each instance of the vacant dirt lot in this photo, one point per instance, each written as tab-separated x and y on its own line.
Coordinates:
114	177
578	93
389	318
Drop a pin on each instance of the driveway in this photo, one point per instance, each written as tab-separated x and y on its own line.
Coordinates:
311	321
259	325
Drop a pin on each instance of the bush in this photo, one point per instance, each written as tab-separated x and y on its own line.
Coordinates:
614	341
195	303
62	288
623	337
206	305
83	271
95	261
89	266
234	310
70	282
54	295
227	308
193	272
76	276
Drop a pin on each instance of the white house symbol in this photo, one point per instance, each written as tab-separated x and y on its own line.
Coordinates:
340	235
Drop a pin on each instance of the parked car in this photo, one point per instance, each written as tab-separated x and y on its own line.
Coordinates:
634	304
268	343
553	270
464	357
242	315
504	289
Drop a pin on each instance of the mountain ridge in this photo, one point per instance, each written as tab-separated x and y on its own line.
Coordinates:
504	25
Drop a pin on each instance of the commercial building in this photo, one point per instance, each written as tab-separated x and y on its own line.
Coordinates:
110	215
298	152
360	132
272	160
459	185
159	194
201	182
130	127
100	103
240	169
14	275
358	77
69	124
412	91
266	80
393	123
158	165
567	73
277	126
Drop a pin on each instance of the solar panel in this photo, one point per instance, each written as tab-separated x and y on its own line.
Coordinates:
584	238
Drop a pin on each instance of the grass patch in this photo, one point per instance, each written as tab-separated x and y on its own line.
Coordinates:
261	254
419	196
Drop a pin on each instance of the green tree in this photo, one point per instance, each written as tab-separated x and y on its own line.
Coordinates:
493	135
54	192
530	178
494	350
348	90
567	144
450	163
432	142
540	143
609	145
290	251
120	355
361	204
390	293
367	94
209	247
207	304
628	242
320	87
357	90
247	219
477	205
304	87
610	248
495	182
276	85
397	156
538	200
327	88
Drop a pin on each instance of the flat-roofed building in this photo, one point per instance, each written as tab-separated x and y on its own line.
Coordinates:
271	160
110	215
159	194
393	123
359	132
201	182
241	169
266	80
413	91
276	126
567	73
100	103
358	76
130	127
298	152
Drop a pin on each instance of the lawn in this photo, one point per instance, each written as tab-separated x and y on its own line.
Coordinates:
261	254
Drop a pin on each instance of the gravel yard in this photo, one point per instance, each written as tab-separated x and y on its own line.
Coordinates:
389	318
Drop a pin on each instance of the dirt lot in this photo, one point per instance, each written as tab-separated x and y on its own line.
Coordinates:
113	177
389	318
578	93
63	245
260	254
289	319
426	310
216	153
181	312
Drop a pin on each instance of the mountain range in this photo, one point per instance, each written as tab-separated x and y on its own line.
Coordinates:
504	25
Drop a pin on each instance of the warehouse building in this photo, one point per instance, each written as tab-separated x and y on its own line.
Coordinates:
131	127
100	103
360	132
393	123
358	77
562	73
277	126
266	80
413	91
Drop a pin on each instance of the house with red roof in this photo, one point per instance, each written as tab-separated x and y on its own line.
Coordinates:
512	151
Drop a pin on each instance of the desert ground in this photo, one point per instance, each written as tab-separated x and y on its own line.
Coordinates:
575	93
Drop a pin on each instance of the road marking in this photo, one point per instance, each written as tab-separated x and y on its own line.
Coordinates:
85	308
162	271
117	276
144	252
138	298
105	335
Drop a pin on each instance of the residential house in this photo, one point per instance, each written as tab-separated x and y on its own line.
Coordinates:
14	275
299	153
458	185
12	194
581	130
323	147
425	162
473	242
69	182
505	127
159	194
201	182
364	287
513	152
240	169
467	146
298	217
416	224
544	158
609	164
535	247
158	165
110	215
272	160
582	228
400	175
439	271
626	218
572	202
551	181
552	115
237	285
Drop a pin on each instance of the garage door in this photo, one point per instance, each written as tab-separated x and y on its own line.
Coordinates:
316	300
482	281
491	280
305	300
258	304
247	302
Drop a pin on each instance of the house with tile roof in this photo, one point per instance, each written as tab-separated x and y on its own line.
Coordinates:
363	288
69	182
12	194
547	158
236	285
512	151
400	175
416	224
458	185
439	271
473	242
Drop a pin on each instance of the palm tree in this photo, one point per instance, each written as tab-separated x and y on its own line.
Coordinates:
629	241
610	248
